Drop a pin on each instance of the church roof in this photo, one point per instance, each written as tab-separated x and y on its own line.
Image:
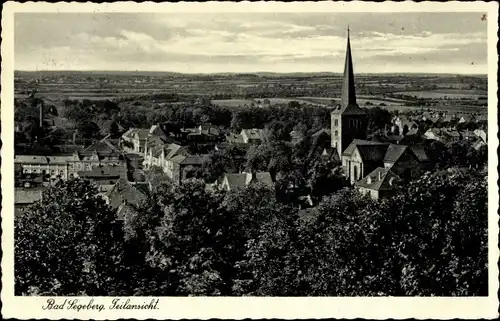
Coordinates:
394	152
348	105
357	142
372	153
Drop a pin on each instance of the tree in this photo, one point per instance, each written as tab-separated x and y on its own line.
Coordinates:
69	243
88	129
441	241
192	246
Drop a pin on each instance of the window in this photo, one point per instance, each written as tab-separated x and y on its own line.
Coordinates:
336	122
336	133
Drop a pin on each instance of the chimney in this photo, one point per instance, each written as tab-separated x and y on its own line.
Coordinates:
74	137
40	107
379	175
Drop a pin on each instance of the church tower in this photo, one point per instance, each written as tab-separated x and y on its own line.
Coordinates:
348	121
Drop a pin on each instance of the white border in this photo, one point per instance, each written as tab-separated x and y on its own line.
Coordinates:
239	308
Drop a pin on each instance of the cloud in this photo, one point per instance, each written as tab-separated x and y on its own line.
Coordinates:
218	42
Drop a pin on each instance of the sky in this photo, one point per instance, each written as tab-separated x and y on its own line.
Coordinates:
251	42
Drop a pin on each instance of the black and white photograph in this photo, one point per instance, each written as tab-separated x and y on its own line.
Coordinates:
272	154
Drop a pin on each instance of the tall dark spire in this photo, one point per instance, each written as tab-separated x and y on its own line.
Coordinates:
348	90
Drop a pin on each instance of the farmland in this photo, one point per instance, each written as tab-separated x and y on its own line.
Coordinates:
392	92
445	94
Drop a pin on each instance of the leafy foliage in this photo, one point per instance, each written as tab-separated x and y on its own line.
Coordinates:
69	243
429	239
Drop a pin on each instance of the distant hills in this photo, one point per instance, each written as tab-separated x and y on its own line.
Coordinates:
229	74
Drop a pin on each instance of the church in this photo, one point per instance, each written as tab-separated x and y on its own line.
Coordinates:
375	168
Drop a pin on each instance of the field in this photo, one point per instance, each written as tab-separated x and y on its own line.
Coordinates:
390	104
444	94
390	91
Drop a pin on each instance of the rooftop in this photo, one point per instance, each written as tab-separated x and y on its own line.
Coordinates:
380	179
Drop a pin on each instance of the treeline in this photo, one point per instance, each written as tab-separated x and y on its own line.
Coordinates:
429	239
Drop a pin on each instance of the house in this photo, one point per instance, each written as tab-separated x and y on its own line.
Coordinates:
247	136
379	183
124	192
469	135
404	125
448	118
233	138
240	180
479	144
24	197
134	140
205	133
481	118
414	132
466	118
330	154
101	153
427	116
253	136
107	174
481	134
442	134
51	166
174	160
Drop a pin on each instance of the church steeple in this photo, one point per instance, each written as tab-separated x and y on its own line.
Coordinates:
348	90
348	121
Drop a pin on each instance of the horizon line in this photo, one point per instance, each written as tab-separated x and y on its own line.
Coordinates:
253	72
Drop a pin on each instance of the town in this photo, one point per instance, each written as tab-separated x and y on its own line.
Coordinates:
230	160
186	146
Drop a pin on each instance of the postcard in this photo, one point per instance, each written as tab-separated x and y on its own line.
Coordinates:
239	160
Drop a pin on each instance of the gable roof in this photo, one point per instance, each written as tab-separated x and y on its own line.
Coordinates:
38	159
372	153
262	178
321	131
420	153
236	180
115	171
380	179
253	133
348	151
124	192
143	133
330	153
172	150
394	153
102	146
481	117
234	138
190	159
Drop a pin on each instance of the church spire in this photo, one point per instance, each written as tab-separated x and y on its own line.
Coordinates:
348	93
